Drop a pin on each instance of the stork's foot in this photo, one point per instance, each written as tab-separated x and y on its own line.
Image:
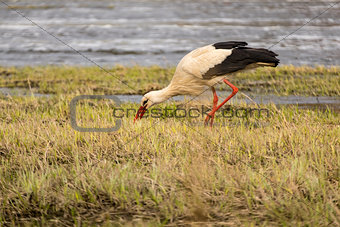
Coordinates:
210	117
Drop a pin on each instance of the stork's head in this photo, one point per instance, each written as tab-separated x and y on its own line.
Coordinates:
149	99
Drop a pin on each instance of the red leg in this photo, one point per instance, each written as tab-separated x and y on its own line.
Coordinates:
215	100
212	113
215	97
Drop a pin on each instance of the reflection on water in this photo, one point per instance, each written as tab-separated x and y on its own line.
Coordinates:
161	32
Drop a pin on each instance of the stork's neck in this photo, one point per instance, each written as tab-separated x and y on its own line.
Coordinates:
168	92
163	94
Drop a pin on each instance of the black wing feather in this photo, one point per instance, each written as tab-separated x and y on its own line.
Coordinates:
240	58
229	45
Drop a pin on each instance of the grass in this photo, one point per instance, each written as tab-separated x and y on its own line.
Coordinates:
269	171
283	80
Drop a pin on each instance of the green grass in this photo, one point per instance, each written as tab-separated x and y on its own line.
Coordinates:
270	171
283	80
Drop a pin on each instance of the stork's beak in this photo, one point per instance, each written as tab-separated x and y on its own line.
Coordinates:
140	113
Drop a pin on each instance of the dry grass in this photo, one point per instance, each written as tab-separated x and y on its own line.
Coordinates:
167	171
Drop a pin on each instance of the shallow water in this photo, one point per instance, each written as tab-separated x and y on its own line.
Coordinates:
303	102
161	32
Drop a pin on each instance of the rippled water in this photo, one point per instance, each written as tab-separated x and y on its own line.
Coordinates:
161	32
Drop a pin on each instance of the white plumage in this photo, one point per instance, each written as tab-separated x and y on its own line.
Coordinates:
199	61
206	66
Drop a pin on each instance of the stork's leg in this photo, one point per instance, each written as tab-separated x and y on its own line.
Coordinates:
215	100
212	113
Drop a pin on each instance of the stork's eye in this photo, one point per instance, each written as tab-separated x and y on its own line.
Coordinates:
144	103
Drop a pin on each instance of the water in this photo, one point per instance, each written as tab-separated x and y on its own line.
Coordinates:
160	32
318	102
303	102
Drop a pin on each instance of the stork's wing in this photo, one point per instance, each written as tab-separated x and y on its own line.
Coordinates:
225	57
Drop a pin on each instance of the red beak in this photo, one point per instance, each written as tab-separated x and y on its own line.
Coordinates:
140	113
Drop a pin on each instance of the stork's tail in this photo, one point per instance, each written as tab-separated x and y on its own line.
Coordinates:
260	56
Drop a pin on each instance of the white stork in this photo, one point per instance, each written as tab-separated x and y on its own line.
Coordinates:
207	66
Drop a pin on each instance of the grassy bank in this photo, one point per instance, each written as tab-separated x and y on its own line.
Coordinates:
277	170
283	80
